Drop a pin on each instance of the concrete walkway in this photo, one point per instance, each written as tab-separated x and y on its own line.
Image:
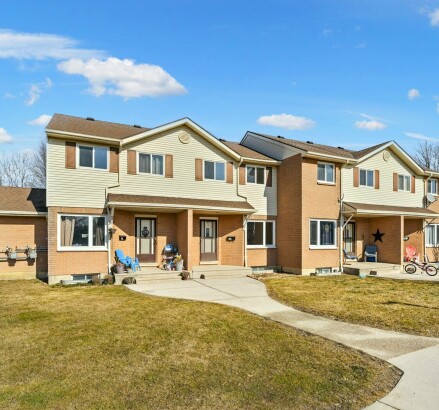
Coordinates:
407	276
416	356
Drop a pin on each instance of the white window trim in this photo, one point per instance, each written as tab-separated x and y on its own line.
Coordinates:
90	235
214	171
93	157
427	245
150	173
433	193
373	178
409	185
325	182
318	234
256	175
264	222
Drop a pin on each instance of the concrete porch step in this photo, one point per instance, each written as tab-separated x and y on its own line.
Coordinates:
220	271
371	268
147	277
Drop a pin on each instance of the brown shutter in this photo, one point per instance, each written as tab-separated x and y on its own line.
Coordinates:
70	155
377	179
269	176
242	171
198	169
356	177
114	159
230	173
395	181
413	184
169	166
132	159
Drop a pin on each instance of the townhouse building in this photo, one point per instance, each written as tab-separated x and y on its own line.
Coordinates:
267	202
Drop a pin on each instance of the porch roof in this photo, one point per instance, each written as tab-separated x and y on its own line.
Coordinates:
176	203
371	210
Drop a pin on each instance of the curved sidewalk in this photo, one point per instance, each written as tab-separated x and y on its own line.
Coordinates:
416	356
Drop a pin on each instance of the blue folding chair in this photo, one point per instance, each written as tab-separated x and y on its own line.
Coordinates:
133	263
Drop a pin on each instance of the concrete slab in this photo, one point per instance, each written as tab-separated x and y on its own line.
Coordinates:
407	276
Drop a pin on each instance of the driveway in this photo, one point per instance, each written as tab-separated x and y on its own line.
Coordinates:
416	356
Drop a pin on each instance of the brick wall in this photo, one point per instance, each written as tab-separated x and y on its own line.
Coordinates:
18	232
263	256
363	236
413	228
391	250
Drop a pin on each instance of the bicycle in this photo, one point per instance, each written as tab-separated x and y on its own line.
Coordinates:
411	268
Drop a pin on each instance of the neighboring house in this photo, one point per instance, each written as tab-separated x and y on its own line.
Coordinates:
113	186
23	226
266	202
323	188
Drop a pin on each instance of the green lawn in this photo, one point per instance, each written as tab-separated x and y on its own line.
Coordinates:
403	305
108	348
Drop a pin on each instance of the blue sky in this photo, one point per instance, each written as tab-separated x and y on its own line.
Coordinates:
340	72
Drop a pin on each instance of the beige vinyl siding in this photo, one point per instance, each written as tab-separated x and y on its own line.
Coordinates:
273	149
81	187
183	183
385	194
261	197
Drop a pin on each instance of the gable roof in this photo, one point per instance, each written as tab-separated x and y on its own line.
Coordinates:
22	201
92	127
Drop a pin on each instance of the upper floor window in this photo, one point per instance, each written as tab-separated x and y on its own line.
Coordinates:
404	183
255	175
151	164
322	234
432	186
366	177
261	234
325	173
215	170
93	157
82	232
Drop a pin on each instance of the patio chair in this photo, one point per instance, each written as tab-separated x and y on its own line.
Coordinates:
410	253
371	253
350	256
133	263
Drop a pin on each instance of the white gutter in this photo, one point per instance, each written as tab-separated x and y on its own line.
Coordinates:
64	134
23	213
261	161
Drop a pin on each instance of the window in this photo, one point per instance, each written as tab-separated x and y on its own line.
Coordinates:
261	234
432	235
322	234
215	170
366	177
151	164
255	175
325	173
432	186
93	157
404	182
82	232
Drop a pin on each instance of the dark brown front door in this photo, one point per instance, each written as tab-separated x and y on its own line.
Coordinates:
146	239
209	240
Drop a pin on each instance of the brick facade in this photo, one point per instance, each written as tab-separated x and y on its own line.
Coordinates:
19	232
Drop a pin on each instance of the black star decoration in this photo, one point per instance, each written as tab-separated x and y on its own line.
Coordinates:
378	236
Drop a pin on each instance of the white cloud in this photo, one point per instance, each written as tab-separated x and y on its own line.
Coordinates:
327	31
40	46
361	45
288	121
437	107
413	93
434	17
9	96
420	136
371	125
4	136
41	121
123	77
35	91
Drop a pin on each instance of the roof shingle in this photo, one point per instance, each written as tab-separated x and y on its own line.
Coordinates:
14	199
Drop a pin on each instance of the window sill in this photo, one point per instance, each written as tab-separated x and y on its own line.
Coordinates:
366	186
325	183
331	247
93	169
81	249
261	247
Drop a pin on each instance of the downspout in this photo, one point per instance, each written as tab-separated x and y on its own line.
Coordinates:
110	212
423	221
244	217
341	218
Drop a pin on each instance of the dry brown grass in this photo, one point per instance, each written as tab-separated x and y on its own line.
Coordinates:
403	305
108	348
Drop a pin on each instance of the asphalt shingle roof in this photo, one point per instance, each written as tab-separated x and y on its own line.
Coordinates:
22	199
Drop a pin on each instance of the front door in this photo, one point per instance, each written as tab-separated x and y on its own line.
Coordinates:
349	237
146	239
209	240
